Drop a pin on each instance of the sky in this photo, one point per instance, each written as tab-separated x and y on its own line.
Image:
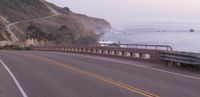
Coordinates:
136	10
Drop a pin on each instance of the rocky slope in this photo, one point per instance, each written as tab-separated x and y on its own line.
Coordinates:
3	34
68	27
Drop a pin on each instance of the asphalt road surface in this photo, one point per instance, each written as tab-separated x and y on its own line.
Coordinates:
56	74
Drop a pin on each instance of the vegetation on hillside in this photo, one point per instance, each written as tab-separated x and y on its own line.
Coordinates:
65	37
66	28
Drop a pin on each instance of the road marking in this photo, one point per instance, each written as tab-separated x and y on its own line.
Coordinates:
96	76
14	79
141	66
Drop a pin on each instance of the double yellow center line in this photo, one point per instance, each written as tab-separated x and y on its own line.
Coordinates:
96	76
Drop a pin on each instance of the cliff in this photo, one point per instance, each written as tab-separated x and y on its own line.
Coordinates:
44	21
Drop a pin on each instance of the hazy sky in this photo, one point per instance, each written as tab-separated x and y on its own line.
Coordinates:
135	10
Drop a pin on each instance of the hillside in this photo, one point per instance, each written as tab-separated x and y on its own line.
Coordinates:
35	20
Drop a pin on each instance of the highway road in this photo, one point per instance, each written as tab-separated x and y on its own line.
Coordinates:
57	74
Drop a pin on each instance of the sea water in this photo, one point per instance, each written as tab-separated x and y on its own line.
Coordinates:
177	35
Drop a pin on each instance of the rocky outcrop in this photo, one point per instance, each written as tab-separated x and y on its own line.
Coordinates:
16	10
68	27
3	33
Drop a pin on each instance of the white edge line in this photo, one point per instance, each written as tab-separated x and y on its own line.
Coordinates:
15	80
169	72
155	69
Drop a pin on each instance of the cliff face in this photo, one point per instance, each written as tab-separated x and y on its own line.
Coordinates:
3	35
15	10
67	27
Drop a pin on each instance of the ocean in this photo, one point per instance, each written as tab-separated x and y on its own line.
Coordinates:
181	36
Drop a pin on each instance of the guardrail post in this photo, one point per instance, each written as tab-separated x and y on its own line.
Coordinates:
84	50
94	51
146	56
128	54
105	51
113	52
81	49
136	55
100	51
88	50
119	53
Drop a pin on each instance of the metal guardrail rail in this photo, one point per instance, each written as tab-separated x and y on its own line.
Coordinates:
144	46
135	46
181	57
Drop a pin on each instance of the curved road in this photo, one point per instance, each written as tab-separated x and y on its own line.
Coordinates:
54	74
13	37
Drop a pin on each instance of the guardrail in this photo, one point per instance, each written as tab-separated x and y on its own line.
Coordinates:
136	46
180	58
144	46
152	55
128	53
